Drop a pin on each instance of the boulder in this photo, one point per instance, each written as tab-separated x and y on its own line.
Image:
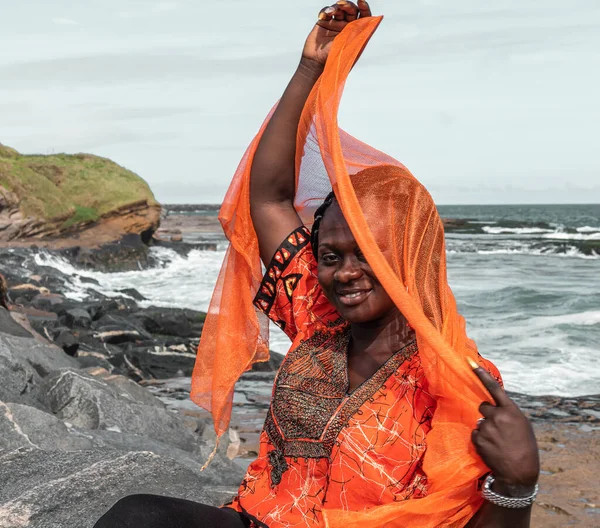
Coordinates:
24	426
23	362
221	471
43	489
47	301
91	403
9	326
117	329
77	318
155	362
19	380
171	321
133	293
39	354
65	339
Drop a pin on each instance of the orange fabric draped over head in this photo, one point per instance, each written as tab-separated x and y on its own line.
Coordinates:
397	227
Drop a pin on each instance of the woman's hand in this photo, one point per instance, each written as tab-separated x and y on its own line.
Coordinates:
505	441
332	20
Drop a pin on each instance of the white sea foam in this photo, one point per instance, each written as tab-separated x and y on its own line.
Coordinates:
572	236
570	252
583	233
497	230
179	282
587	318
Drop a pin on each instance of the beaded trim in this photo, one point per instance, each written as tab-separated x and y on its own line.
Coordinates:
267	292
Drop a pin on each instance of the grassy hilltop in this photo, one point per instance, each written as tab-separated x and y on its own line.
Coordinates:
69	189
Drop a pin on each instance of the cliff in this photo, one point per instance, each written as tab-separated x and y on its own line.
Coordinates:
61	201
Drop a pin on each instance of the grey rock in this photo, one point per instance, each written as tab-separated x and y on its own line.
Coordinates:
47	301
91	403
39	354
9	326
77	318
156	362
132	391
221	471
19	379
90	358
43	489
132	292
116	323
67	341
24	426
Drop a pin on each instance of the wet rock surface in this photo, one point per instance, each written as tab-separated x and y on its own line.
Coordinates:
77	432
74	440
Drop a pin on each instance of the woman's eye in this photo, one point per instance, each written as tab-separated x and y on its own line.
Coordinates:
360	256
329	258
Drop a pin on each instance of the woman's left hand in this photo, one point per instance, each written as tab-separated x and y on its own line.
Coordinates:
505	441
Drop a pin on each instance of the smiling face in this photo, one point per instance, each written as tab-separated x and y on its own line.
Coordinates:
345	276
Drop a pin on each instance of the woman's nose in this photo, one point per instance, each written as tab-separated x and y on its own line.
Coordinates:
349	270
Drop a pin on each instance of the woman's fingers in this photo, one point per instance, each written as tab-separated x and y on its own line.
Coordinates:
332	18
350	10
487	409
326	14
493	387
364	9
345	11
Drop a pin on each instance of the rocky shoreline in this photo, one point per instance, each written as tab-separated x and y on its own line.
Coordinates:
94	405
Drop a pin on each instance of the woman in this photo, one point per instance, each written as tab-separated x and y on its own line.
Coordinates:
365	427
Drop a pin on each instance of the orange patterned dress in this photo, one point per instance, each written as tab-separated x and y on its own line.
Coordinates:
321	446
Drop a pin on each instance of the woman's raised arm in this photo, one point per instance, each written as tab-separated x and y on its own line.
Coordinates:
272	178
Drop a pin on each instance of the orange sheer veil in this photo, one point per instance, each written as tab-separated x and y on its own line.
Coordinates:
395	222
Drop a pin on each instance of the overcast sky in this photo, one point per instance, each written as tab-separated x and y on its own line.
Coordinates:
485	102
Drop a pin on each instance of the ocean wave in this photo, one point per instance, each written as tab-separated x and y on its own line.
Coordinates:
546	251
176	282
572	236
588	229
497	230
588	318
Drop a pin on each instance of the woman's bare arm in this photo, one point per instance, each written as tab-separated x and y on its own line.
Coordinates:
272	177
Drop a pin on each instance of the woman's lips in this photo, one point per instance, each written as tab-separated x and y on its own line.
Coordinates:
352	298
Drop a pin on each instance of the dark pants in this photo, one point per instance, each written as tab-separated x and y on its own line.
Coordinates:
152	511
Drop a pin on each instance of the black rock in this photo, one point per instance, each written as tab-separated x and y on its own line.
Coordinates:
151	363
170	322
88	280
128	254
133	293
49	302
76	318
117	329
67	341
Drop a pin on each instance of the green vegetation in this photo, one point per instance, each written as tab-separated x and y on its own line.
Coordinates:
74	188
82	214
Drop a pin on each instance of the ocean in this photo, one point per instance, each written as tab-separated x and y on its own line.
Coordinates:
526	278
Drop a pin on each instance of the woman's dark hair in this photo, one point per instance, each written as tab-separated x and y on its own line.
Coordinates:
314	234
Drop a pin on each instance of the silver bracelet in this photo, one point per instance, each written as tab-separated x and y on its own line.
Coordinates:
506	502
